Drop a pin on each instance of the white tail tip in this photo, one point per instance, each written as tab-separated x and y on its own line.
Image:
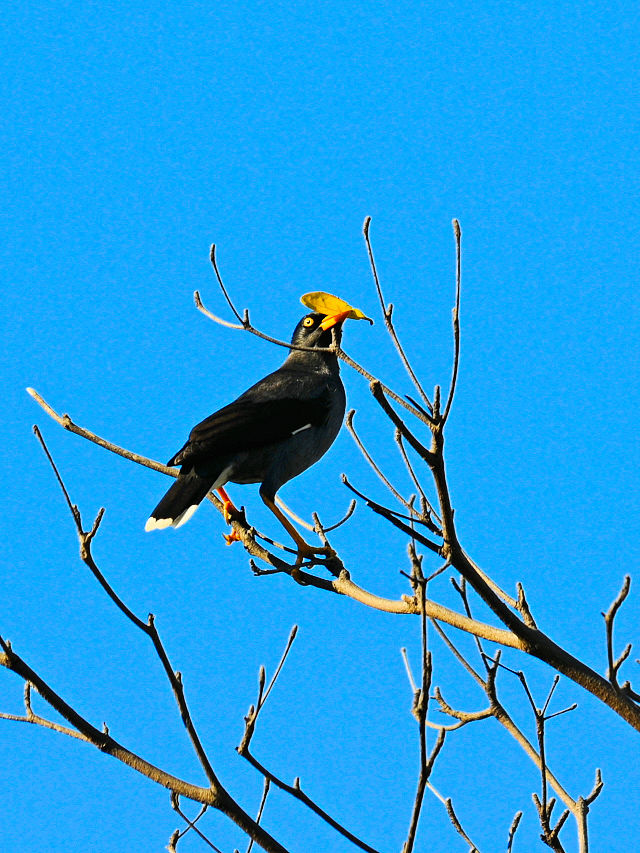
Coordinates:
184	516
157	523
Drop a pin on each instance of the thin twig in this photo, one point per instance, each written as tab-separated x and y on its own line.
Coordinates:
394	517
147	628
428	508
420	710
212	258
597	788
283	506
292	635
265	793
191	824
512	830
407	666
458	655
66	422
461	589
463	717
295	790
344	518
387	312
352	430
609	619
35	719
252	717
456	325
458	826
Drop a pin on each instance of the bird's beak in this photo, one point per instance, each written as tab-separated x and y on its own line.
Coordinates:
334	319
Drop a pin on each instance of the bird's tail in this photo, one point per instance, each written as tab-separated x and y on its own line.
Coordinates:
180	502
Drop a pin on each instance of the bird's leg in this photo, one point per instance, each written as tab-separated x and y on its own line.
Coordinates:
305	551
227	507
227	504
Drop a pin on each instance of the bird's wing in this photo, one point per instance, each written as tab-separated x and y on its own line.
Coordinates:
254	420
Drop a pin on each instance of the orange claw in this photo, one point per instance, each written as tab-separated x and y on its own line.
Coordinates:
227	509
232	537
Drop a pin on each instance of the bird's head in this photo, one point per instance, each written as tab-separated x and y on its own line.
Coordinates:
329	313
314	330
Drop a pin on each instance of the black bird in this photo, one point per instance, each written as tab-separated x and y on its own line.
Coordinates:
270	434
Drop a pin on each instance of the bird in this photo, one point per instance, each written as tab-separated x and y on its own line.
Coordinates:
272	432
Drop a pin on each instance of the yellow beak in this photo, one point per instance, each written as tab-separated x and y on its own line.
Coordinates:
333	319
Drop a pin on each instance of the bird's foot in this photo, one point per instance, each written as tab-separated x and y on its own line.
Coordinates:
232	537
227	504
227	509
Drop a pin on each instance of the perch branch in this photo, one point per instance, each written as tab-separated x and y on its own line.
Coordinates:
519	634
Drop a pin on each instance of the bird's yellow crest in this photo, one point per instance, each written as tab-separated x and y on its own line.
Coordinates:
326	303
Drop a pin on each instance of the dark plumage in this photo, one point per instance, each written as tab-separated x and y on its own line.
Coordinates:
270	434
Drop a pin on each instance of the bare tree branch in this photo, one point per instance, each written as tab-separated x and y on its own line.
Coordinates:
294	790
420	710
66	423
520	630
175	678
520	635
616	663
191	825
265	794
214	264
387	312
458	826
215	795
513	829
352	430
456	325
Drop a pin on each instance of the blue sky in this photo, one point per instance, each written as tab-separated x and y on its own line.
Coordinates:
135	137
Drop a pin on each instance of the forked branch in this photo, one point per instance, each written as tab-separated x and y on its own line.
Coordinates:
295	790
215	795
616	663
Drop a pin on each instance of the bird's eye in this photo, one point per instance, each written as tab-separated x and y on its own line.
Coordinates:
308	321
